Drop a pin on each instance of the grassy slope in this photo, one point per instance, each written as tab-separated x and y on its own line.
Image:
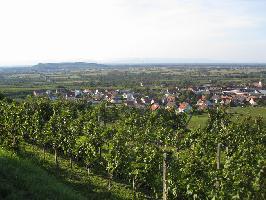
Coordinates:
93	187
36	178
22	179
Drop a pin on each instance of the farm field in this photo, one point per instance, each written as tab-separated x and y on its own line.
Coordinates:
199	121
23	81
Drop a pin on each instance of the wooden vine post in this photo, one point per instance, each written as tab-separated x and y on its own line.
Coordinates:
218	161
133	187
218	156
43	152
71	162
164	176
227	150
56	157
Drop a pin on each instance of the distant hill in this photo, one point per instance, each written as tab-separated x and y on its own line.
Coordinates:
65	66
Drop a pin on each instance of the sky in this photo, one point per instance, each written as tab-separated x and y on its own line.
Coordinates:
33	31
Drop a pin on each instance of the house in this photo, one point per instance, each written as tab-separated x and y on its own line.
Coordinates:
155	100
239	99
98	96
184	107
116	99
88	91
215	98
78	93
70	95
48	92
108	97
172	91
206	92
258	84
262	92
170	98
39	92
203	104
226	100
128	96
138	101
192	89
97	92
155	106
252	101
215	88
201	90
145	100
61	91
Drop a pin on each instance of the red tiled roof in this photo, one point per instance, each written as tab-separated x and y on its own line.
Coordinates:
183	105
155	106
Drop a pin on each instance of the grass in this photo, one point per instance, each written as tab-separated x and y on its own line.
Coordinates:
252	111
199	121
28	175
22	179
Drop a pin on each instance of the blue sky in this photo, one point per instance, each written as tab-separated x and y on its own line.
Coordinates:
109	30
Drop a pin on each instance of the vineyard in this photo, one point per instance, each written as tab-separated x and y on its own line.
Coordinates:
154	152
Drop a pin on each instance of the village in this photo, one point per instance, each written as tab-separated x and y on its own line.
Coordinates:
180	99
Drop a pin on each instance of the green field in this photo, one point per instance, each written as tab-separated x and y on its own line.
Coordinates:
199	121
20	83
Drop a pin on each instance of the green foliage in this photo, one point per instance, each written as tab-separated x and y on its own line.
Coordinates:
242	172
128	144
2	96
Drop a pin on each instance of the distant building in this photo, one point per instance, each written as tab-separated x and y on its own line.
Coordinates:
128	96
60	91
252	101
155	106
70	95
39	92
258	84
145	100
87	91
171	98
78	93
116	100
203	104
184	107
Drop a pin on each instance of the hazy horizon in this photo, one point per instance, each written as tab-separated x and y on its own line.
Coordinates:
140	62
34	31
